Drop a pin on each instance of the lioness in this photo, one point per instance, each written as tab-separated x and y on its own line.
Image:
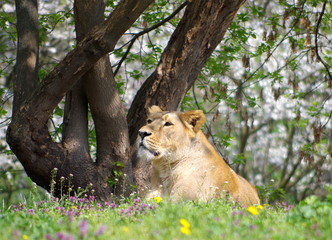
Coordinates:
184	164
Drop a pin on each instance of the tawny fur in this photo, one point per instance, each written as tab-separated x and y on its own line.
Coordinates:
184	164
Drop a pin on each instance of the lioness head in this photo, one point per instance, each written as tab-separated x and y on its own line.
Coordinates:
166	132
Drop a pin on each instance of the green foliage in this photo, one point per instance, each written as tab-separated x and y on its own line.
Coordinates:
8	38
48	22
239	159
270	194
7	27
226	141
313	212
3	111
118	178
135	74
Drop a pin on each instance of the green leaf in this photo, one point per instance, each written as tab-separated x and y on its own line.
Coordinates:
251	101
3	112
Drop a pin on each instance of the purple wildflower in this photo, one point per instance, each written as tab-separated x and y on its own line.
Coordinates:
31	211
60	236
16	234
113	205
236	222
48	237
70	237
252	227
83	228
237	213
71	214
284	206
15	208
290	206
110	205
100	231
72	199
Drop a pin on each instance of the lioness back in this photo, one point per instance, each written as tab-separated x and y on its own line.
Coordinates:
184	164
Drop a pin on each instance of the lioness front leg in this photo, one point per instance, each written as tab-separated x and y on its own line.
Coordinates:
156	187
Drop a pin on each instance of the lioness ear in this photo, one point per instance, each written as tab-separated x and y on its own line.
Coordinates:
154	109
195	118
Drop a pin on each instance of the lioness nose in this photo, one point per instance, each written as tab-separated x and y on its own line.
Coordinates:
144	134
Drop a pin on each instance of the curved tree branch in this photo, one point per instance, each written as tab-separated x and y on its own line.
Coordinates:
327	67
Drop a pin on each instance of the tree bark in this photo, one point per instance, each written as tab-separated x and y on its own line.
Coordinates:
199	32
75	122
26	69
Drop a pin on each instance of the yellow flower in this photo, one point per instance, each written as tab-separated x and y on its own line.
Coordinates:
260	207
184	223
73	207
157	199
185	229
253	210
25	237
125	229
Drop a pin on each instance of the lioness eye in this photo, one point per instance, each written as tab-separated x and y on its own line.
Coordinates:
168	124
149	121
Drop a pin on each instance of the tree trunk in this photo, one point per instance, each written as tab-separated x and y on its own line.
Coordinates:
26	69
28	135
103	97
88	14
197	35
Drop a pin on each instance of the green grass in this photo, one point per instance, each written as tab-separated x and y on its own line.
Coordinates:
138	219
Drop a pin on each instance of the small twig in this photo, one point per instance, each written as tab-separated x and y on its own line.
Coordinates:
137	35
125	55
330	116
62	17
